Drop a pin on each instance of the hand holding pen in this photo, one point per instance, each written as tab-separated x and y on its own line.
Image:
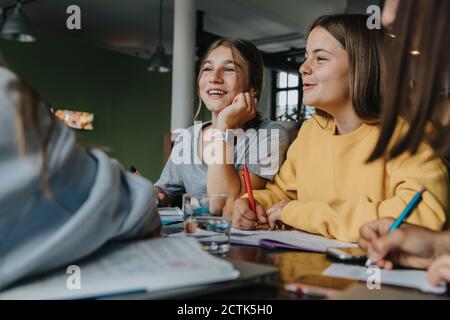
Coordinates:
380	231
241	206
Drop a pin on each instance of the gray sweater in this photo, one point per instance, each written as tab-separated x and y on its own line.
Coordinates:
263	149
93	199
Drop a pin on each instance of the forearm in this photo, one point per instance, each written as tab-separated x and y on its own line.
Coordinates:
222	175
442	243
223	179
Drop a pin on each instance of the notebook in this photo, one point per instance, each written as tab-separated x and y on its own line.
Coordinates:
170	215
146	266
281	239
286	239
404	278
250	275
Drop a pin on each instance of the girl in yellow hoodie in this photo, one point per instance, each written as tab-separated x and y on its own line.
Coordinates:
325	186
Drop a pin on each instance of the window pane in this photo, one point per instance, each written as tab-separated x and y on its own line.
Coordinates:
280	111
281	98
281	80
293	80
292	97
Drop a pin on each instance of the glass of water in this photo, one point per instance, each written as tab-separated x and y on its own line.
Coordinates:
204	220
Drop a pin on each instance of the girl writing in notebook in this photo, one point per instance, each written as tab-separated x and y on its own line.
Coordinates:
325	186
411	245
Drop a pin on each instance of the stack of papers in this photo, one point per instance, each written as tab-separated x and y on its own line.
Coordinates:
170	215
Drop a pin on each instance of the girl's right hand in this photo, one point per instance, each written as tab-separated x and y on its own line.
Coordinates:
409	245
245	218
242	109
163	198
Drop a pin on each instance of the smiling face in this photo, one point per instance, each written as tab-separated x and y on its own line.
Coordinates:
222	78
325	72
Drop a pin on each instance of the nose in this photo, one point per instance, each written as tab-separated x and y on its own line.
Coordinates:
305	68
215	76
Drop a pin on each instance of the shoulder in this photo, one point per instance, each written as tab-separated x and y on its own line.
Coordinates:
186	133
6	76
273	127
194	129
424	148
7	111
268	124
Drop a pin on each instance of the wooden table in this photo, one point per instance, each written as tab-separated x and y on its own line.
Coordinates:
291	265
294	264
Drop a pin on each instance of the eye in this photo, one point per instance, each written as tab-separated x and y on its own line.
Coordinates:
321	59
229	69
207	68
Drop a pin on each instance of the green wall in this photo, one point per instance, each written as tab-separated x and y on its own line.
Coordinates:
131	105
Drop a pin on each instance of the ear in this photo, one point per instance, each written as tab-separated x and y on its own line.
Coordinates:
254	93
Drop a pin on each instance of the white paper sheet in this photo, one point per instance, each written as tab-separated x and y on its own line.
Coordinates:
295	238
148	265
404	278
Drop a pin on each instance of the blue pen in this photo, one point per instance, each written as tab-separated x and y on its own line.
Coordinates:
409	208
404	215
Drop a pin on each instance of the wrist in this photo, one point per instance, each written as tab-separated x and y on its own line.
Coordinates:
226	136
223	126
441	243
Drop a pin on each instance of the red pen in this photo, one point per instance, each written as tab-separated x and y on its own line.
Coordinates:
248	188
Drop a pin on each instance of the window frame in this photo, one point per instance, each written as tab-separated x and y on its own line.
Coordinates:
275	90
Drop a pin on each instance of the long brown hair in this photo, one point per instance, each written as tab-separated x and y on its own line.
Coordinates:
363	50
31	133
255	66
417	60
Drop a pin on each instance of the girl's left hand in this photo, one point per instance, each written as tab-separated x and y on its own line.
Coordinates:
439	270
274	214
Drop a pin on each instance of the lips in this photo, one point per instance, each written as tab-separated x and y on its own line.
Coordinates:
308	86
216	92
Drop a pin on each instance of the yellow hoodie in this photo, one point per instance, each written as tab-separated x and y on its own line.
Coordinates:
333	192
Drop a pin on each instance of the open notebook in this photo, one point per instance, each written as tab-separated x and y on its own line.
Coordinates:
141	266
292	239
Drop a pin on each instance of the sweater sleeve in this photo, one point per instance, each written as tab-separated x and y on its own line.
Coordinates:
407	174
